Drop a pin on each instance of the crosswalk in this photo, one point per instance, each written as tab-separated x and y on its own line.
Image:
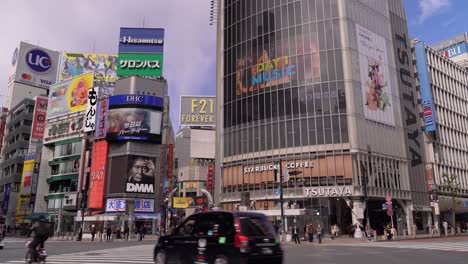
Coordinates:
458	246
134	254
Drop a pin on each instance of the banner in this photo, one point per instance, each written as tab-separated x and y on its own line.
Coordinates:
181	202
197	111
40	112
210	177
427	103
120	205
101	117
90	116
376	87
140	64
141	173
98	175
170	165
73	64
69	96
190	185
6	198
24	206
63	128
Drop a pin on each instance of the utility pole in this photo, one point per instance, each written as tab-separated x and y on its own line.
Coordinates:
366	196
280	178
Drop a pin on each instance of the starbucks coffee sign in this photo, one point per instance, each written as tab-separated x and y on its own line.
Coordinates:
270	167
329	191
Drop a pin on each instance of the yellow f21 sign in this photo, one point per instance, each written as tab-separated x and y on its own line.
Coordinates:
197	111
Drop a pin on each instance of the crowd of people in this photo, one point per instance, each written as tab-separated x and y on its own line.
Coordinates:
111	232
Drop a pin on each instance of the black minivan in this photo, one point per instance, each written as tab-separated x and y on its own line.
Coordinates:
221	237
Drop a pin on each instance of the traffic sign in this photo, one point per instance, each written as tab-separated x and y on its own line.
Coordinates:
384	206
277	191
388	198
390	212
389	207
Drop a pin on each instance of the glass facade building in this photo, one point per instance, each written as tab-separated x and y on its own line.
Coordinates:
310	90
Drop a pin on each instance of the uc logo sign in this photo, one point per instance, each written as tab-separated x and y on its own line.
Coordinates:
38	60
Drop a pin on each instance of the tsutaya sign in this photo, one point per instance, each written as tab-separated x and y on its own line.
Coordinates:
270	167
329	191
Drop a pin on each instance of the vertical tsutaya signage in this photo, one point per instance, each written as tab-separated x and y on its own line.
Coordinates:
98	175
373	65
90	116
40	112
425	88
141	52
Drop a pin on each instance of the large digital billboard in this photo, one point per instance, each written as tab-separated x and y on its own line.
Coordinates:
133	174
40	112
135	117
73	64
35	65
69	96
375	84
197	111
426	94
98	175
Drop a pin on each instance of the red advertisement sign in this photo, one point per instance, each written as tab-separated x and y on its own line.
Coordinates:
210	177
169	165
40	112
101	119
98	175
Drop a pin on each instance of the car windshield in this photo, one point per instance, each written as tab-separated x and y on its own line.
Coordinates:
256	227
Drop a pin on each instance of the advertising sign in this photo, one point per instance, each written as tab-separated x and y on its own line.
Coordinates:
101	118
142	40
63	128
181	202
90	116
455	51
35	65
141	173
426	93
197	111
24	206
140	64
98	175
135	117
376	87
120	205
40	112
69	96
6	198
73	64
170	165
190	185
210	177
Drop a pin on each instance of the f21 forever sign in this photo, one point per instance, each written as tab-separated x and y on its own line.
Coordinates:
197	111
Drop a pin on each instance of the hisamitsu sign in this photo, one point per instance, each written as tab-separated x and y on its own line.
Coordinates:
197	111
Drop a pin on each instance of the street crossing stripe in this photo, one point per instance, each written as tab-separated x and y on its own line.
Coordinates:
461	246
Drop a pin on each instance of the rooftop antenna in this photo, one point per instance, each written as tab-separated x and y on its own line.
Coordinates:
94	46
143	22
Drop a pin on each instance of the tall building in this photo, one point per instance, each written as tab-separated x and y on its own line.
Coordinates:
454	48
319	93
443	89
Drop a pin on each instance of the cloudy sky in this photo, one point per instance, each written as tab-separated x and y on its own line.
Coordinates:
189	63
190	41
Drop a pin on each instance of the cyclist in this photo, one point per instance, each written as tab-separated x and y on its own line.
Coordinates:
41	234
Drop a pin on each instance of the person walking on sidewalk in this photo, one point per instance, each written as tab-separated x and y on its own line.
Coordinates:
295	234
319	233
126	232
108	233
93	232
310	232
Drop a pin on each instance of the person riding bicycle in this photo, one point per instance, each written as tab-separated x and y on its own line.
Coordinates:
41	234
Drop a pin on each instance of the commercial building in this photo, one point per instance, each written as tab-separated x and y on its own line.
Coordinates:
443	89
319	92
454	48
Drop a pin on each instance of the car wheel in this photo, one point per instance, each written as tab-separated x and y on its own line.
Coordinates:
220	260
160	257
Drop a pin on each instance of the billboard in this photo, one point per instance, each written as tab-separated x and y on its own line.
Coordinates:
73	64
120	205
135	117
63	128
181	202
141	40
101	118
376	88
40	112
202	144
69	96
456	50
140	64
90	116
427	103
197	111
6	198
97	175
132	174
35	65
24	206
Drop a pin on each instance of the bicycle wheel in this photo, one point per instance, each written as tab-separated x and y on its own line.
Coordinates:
29	258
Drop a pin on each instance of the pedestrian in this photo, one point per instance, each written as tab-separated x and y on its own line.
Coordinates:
334	231
108	233
295	234
305	233
319	233
93	232
445	225
388	229
143	231
126	232
310	232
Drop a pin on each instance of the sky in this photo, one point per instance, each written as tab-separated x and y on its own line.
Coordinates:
190	41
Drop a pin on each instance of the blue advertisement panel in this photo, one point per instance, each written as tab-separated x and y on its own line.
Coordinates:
426	93
6	198
135	117
143	40
456	50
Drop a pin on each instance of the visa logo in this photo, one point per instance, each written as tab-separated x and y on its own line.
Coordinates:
46	82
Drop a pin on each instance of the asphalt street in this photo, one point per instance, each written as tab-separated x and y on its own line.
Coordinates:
446	251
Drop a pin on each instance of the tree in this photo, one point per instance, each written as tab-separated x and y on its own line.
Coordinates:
450	184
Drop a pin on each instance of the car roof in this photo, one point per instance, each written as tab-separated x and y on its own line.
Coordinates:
235	213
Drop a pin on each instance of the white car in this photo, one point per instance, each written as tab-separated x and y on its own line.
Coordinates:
2	242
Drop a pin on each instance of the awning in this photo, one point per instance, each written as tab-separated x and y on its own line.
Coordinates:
37	215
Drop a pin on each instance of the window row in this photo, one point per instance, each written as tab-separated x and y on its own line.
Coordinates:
68	149
69	166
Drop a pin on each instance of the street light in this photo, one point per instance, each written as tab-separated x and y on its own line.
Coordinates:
366	197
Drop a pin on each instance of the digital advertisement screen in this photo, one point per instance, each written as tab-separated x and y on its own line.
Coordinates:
135	117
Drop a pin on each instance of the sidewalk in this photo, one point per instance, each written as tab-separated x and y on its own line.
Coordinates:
96	239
